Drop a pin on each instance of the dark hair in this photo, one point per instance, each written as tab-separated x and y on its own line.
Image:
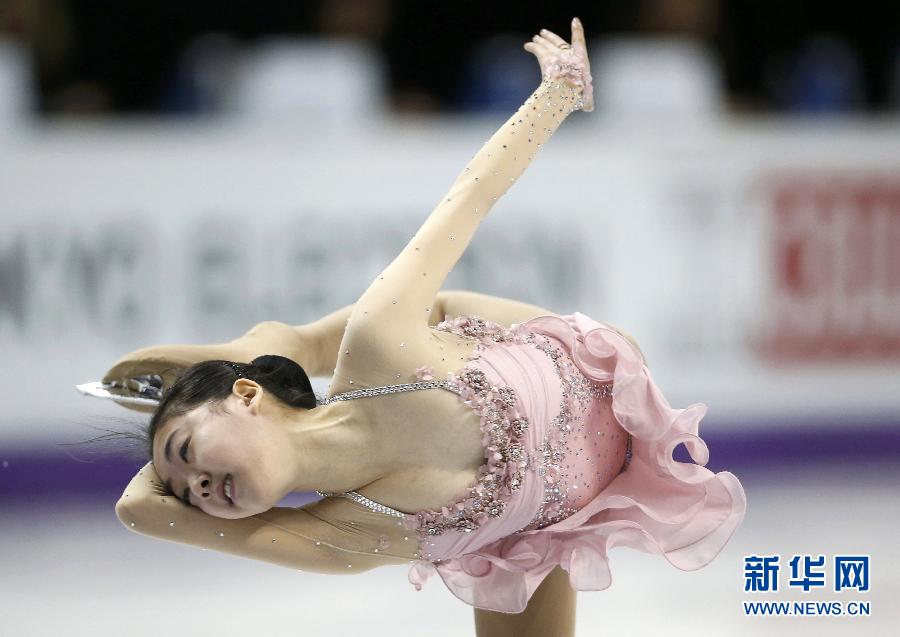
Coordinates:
210	382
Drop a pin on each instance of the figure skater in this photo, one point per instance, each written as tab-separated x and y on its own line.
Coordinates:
494	443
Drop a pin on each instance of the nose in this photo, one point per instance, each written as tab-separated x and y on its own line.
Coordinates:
201	486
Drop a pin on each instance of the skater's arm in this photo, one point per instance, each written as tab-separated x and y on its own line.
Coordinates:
297	538
267	337
328	332
317	344
313	345
399	301
493	308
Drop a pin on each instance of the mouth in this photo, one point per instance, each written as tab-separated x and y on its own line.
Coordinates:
226	490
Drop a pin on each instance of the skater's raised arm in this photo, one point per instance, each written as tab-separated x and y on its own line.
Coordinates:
399	301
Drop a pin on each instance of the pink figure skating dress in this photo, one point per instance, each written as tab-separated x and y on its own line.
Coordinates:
578	459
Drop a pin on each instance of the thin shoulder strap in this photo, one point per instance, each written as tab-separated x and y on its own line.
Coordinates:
389	389
366	502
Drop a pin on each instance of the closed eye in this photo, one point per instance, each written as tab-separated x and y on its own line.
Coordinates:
187	490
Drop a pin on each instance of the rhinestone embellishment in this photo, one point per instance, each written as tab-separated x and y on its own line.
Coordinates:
366	502
503	427
386	389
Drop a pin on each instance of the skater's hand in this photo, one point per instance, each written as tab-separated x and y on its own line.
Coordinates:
559	60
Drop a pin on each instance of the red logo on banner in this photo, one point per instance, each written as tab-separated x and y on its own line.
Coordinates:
835	269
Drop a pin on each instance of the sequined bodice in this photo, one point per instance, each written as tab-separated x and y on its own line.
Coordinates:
504	425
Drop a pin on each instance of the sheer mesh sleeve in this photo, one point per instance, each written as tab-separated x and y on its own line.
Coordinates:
333	535
394	310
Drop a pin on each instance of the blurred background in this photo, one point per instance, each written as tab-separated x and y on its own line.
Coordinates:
176	172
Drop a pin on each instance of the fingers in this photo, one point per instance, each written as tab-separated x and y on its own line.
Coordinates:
578	34
545	45
549	42
540	49
531	47
552	37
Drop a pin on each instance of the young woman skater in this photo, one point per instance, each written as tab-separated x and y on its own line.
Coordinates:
497	444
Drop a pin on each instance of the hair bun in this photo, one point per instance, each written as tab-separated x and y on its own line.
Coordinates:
285	378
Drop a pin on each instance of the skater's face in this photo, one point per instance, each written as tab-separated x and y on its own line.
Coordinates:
194	454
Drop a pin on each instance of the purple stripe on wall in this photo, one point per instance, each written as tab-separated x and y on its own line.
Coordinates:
32	475
802	444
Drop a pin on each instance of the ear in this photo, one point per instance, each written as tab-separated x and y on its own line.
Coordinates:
248	392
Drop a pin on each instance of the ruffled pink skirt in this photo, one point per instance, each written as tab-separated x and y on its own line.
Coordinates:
682	511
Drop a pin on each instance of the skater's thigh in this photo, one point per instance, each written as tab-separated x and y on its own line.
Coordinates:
550	611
